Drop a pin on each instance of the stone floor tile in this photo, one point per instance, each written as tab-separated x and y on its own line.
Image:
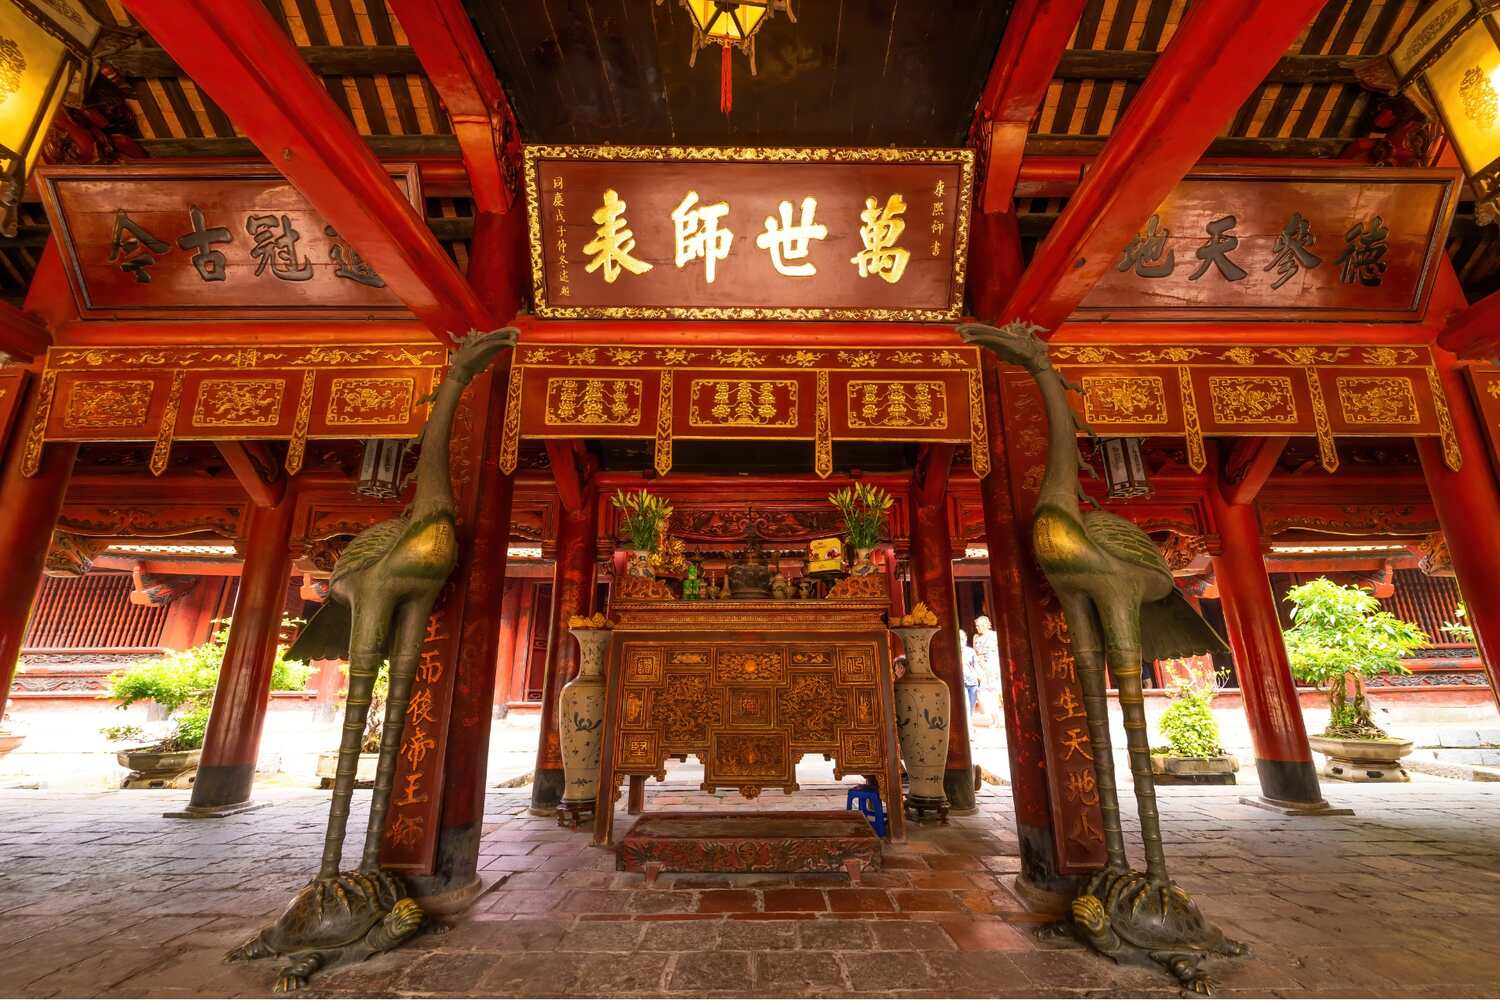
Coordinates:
884	971
727	901
790	900
758	935
911	935
799	973
700	972
602	936
681	935
860	901
836	934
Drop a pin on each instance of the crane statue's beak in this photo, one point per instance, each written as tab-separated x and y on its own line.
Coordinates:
475	351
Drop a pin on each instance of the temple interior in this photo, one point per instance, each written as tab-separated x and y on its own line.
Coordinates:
749	497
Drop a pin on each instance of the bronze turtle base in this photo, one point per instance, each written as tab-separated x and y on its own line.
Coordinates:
345	918
1128	917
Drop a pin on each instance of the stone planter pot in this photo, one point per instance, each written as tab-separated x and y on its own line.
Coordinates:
328	769
1170	770
1362	760
151	768
922	706
580	718
9	741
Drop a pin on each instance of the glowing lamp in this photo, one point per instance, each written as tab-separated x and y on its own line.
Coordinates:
45	48
730	24
1124	470
1449	61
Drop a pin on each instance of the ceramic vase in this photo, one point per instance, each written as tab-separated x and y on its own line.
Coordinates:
863	566
581	717
922	708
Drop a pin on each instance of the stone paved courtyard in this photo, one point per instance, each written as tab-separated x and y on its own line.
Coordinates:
101	896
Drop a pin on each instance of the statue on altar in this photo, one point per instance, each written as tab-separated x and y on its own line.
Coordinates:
381	593
1121	608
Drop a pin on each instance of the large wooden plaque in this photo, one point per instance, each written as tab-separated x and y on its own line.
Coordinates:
1278	243
628	232
207	240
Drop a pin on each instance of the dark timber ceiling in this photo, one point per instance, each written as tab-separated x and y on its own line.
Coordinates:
848	72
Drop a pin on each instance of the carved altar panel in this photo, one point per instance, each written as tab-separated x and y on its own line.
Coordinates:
749	687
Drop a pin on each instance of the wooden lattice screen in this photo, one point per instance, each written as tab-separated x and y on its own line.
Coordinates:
92	612
1428	601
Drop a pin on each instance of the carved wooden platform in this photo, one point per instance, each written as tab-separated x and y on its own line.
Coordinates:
790	841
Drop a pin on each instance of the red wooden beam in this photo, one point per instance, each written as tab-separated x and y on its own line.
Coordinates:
930	478
238	54
1474	332
21	336
572	467
247	459
1035	37
1248	465
1218	56
460	69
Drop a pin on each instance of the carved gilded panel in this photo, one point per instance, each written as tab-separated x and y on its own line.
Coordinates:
856	666
754	665
748	758
684	708
896	404
643	666
638	750
731	402
227	402
633	708
812	709
603	402
105	404
1124	399
354	401
814	657
857	750
1371	399
750	707
1252	399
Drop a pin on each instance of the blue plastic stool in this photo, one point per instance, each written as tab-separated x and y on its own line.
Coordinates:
870	806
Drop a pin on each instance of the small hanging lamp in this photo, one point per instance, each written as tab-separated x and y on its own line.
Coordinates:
380	471
730	24
1124	469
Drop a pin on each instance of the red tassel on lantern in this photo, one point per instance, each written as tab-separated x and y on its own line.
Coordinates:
726	80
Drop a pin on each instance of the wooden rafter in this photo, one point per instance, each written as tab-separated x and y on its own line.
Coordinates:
1474	332
456	62
21	335
1248	465
1217	57
1023	69
238	54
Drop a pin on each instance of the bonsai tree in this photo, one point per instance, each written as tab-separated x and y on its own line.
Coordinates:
1340	636
1188	725
863	508
182	682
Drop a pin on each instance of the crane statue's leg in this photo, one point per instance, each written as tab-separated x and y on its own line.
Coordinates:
407	635
366	653
1088	659
1122	639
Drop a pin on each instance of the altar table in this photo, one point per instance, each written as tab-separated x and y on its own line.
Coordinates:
749	687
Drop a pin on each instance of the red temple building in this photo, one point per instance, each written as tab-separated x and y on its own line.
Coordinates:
1259	246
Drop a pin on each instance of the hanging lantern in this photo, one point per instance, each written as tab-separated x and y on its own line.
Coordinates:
380	473
1449	61
1124	470
730	24
46	48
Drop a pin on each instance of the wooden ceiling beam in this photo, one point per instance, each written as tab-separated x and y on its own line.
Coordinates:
1217	57
929	481
22	336
257	471
1035	36
1247	466
141	62
1096	64
572	467
1235	147
459	67
238	54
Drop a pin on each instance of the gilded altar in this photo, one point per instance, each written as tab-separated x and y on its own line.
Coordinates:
749	688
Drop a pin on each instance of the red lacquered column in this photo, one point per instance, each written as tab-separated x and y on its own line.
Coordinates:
1283	759
28	512
1468	509
227	769
932	579
505	648
1025	742
572	594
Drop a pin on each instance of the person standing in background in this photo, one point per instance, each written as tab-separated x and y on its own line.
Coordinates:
971	672
987	663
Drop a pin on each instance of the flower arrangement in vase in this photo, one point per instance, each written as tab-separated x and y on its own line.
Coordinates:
644	518
863	508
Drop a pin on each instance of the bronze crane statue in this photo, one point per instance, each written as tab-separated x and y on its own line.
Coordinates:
1121	608
380	595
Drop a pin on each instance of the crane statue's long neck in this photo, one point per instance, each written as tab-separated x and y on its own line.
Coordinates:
434	491
1060	484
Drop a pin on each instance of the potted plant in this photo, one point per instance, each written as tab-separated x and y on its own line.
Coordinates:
643	517
1193	754
369	744
1340	636
181	682
863	508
